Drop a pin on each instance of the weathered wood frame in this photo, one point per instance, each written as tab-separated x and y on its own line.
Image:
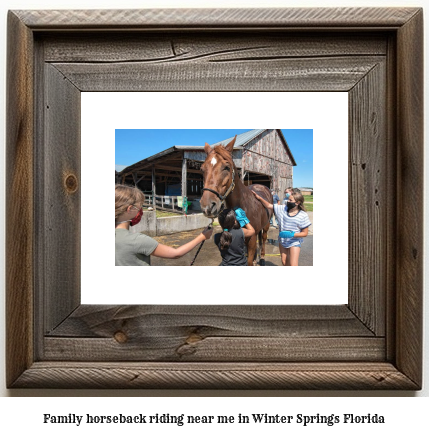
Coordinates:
374	342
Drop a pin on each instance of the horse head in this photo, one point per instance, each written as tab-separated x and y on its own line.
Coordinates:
218	177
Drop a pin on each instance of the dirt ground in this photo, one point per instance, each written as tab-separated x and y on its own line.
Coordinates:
210	256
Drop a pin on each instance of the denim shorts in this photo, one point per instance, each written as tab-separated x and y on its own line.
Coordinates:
296	245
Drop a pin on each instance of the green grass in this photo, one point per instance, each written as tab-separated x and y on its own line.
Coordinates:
308	206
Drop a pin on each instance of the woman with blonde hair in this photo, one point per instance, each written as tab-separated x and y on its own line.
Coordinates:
135	249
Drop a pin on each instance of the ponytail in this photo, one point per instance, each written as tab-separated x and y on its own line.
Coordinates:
227	221
225	240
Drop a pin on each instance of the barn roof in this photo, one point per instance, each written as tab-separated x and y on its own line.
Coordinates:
168	151
242	140
246	137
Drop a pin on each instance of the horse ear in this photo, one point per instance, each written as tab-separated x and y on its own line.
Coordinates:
230	146
207	148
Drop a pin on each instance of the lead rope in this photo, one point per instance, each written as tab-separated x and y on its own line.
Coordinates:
201	245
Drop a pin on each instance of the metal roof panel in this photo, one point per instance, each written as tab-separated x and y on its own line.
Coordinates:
242	138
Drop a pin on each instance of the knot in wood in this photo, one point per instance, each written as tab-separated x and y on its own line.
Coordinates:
120	337
193	338
71	183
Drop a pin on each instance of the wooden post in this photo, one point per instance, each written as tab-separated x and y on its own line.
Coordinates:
153	187
184	177
184	186
243	166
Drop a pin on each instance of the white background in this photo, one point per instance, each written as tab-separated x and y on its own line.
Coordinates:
405	414
324	283
408	418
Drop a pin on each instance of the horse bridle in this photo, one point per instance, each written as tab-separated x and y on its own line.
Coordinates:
222	198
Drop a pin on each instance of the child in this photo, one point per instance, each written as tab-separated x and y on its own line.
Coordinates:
231	241
294	224
288	191
135	249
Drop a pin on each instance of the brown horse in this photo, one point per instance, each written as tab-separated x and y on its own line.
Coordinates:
224	189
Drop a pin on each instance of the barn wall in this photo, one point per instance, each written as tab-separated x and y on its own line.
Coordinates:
269	144
266	154
283	184
200	156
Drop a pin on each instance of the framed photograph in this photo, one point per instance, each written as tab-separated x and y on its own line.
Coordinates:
372	341
155	156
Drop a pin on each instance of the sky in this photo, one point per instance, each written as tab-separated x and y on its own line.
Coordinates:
133	145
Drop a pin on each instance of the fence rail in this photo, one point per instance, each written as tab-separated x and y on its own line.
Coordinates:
164	202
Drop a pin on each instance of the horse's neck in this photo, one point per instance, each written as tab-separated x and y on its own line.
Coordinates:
238	195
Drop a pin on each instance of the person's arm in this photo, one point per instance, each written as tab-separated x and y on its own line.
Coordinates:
302	234
248	230
264	202
174	253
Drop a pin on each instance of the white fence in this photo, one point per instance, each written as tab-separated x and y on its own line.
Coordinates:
164	202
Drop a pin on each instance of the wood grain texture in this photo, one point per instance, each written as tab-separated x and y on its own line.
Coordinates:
213	333
224	47
374	343
215	376
368	203
19	200
186	19
137	322
61	185
178	348
325	74
409	263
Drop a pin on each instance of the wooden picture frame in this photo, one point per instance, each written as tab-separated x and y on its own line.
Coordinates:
373	342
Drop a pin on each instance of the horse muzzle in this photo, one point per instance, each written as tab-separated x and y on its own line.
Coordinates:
212	208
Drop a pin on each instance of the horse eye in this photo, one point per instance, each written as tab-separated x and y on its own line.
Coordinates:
226	168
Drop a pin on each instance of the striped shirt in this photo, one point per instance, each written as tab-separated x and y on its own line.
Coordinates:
295	224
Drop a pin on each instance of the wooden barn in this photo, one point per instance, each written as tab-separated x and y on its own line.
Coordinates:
261	156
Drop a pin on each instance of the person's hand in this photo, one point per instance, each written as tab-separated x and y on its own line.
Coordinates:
207	232
256	195
241	217
286	234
